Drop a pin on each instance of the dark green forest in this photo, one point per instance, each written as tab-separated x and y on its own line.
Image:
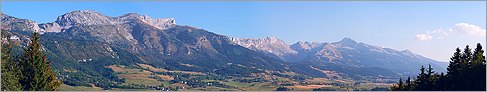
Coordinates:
29	71
466	72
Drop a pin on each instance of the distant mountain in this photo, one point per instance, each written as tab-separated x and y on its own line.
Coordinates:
13	23
81	44
271	46
87	41
86	34
346	52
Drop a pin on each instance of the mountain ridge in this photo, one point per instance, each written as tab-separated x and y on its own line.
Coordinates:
271	46
333	52
90	47
89	41
88	17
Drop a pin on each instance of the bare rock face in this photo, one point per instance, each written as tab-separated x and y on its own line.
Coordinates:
269	45
52	27
84	17
305	46
13	23
89	24
160	23
328	51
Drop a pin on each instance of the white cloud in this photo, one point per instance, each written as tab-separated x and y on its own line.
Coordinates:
423	37
470	29
458	29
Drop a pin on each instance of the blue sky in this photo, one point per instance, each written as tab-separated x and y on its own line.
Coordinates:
422	27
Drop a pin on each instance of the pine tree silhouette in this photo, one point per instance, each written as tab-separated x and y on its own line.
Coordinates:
466	72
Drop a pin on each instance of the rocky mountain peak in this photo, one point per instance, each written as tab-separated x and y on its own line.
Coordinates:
83	17
268	44
160	23
267	40
406	51
305	45
410	54
273	39
14	23
347	40
89	17
131	14
130	17
2	16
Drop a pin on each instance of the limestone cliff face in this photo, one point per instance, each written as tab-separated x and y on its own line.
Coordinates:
269	45
13	23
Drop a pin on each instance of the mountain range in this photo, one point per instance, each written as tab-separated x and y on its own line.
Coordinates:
81	44
345	52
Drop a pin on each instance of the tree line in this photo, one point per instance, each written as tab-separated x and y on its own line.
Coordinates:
29	71
466	72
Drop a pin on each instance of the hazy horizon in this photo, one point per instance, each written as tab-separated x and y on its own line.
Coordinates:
431	29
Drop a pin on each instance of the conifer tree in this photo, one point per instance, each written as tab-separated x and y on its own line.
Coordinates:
409	85
466	56
434	79
477	69
400	84
37	73
442	82
466	72
421	80
453	72
10	72
430	79
430	71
